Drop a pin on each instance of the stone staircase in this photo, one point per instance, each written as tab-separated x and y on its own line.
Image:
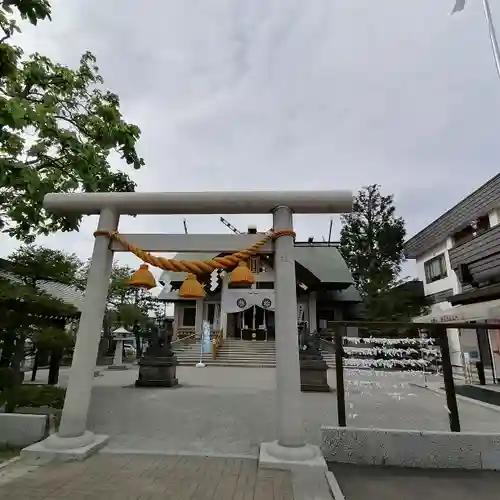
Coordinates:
257	354
188	354
235	352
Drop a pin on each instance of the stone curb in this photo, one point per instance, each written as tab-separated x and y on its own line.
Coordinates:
174	453
334	486
441	392
5	464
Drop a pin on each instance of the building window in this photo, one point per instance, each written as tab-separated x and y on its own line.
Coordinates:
475	228
189	316
435	269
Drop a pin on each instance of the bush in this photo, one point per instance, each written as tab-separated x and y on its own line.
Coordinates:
7	378
32	396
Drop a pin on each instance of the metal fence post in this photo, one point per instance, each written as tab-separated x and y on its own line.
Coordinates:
339	371
449	384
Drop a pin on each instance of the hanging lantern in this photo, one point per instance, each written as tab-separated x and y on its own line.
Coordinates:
241	275
191	288
142	278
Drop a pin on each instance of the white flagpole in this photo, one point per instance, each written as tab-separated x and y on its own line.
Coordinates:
493	36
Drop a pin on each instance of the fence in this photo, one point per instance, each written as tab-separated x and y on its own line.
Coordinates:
434	357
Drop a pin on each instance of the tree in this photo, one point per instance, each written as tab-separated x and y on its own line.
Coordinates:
371	243
126	306
26	309
56	341
34	262
400	303
58	127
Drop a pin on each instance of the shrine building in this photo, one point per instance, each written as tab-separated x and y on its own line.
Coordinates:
243	307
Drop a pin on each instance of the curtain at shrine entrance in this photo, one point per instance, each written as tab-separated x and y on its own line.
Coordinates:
240	300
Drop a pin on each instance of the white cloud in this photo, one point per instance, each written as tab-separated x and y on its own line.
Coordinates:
288	94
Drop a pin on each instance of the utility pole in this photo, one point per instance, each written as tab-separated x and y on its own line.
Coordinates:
460	5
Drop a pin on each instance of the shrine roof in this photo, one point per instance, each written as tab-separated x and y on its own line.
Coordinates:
66	293
324	263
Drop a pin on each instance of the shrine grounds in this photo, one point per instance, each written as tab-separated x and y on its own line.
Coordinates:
226	411
201	440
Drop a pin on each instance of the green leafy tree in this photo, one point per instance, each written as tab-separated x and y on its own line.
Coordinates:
25	308
119	292
34	262
400	303
58	127
371	243
127	306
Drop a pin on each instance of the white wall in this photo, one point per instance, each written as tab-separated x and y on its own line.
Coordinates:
494	217
451	281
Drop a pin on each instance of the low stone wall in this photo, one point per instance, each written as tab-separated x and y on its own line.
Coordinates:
21	430
424	449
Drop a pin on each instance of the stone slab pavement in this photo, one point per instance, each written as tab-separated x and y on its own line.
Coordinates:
391	483
225	411
150	477
171	443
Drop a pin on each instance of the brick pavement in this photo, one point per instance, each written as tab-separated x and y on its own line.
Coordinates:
151	477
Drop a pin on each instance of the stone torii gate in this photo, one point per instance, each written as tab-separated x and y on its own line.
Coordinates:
73	440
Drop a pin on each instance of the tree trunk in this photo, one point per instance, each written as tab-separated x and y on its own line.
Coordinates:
8	350
55	360
35	366
18	358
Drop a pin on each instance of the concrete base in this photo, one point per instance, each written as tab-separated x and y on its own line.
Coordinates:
313	373
59	449
158	368
411	448
274	456
174	383
21	430
117	367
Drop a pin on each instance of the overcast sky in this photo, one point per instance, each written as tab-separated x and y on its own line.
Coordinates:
290	94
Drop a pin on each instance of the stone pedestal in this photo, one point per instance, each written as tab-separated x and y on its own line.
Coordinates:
158	368
118	357
313	372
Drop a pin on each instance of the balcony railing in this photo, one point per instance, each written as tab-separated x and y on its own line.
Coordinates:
479	257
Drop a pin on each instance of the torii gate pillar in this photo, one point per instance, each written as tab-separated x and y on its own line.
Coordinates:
73	440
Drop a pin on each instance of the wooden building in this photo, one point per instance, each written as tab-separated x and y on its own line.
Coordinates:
325	292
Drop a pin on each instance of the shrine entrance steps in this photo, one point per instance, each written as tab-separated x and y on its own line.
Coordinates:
236	352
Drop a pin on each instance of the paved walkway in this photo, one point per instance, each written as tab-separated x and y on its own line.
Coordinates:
224	413
230	411
150	477
392	483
